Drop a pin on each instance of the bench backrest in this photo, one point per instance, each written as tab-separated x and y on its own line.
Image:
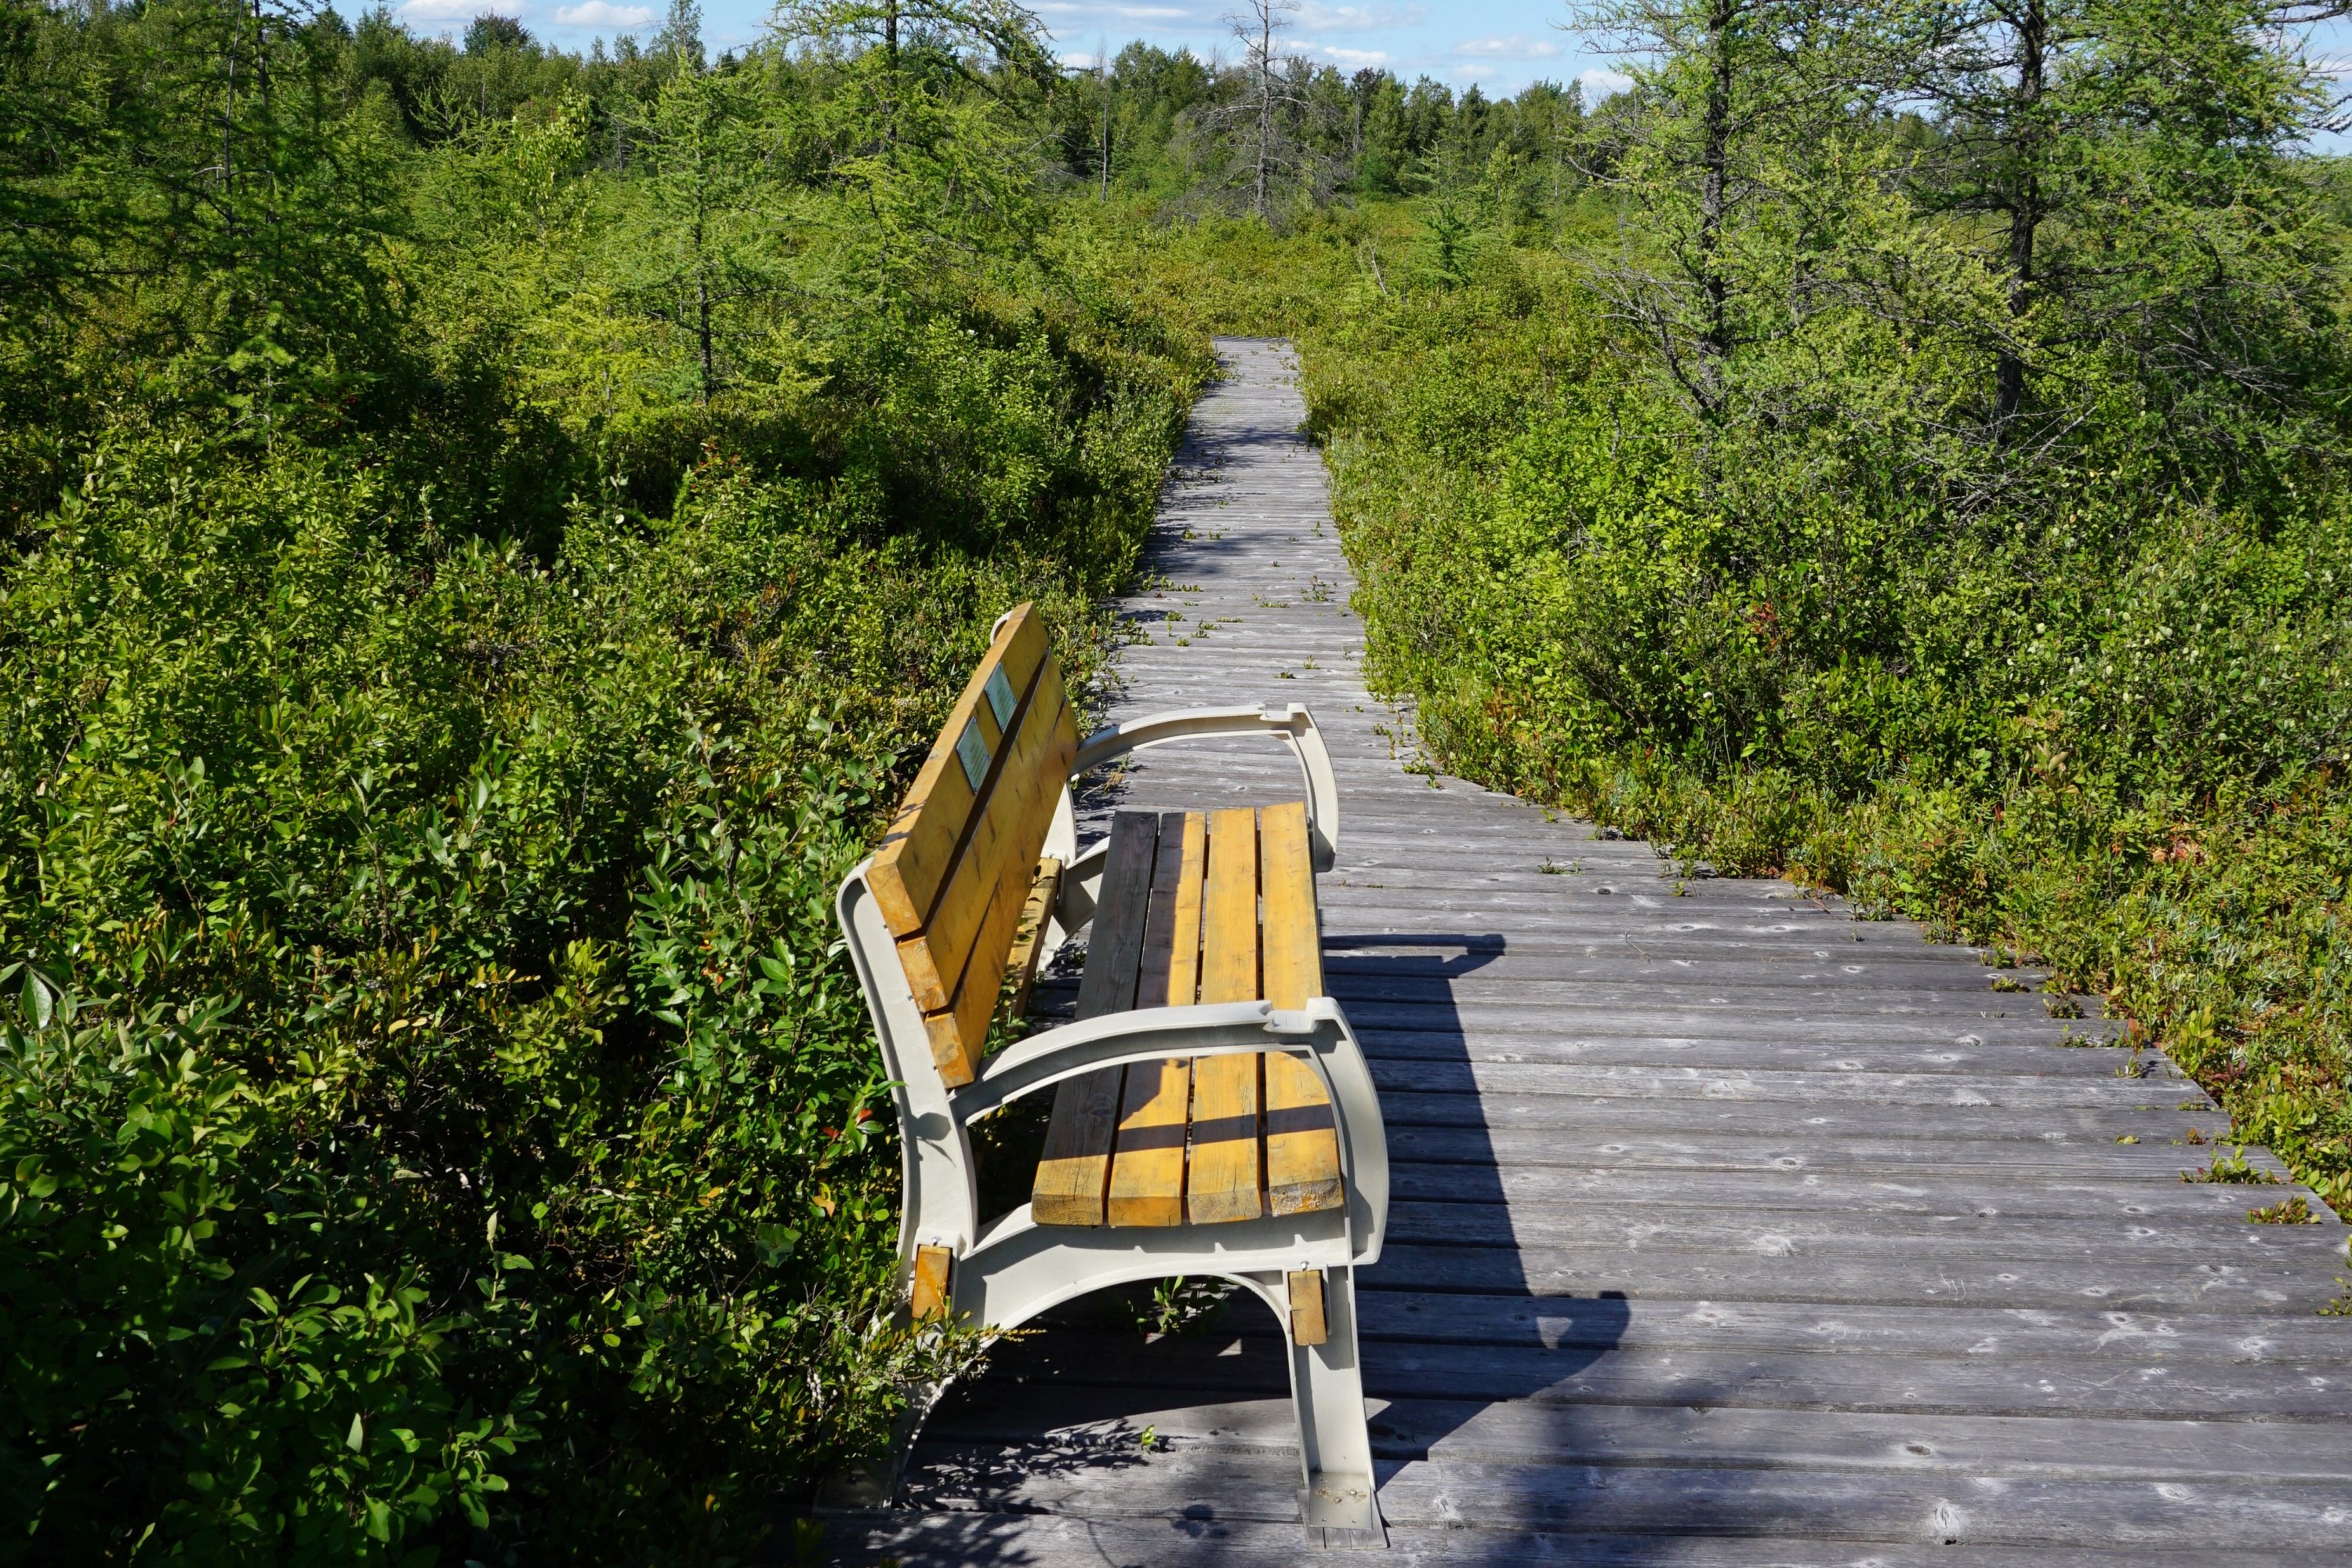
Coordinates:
954	871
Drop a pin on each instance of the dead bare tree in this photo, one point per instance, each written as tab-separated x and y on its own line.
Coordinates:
1268	101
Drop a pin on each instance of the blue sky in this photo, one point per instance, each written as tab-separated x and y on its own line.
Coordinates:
1502	44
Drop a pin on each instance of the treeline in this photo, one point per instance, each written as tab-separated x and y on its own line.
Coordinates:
486	534
1280	137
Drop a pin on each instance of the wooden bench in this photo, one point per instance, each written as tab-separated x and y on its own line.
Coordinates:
1213	1112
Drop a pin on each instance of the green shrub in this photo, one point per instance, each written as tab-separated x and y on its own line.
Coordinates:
430	1014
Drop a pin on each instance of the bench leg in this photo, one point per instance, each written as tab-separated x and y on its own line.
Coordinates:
1339	1506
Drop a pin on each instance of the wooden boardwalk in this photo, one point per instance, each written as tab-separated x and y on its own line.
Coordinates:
1727	1230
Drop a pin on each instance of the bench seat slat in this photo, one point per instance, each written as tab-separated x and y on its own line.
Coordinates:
1302	1146
1074	1172
1146	1171
1176	925
1192	887
1226	1181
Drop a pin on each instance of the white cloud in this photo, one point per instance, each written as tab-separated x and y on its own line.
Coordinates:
603	14
1356	57
1358	18
457	10
1514	48
1124	13
1598	84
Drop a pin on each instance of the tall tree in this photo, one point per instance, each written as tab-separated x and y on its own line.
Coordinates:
1731	100
929	128
2133	155
709	231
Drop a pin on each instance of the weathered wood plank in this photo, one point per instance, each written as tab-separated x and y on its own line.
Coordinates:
1636	1147
2113	1196
1567	1223
1074	1173
1973	1332
2155	1120
1302	1143
1706	1377
1926	1093
966	1537
1479	1498
1226	1181
2295	1288
920	847
1146	1171
2132	1449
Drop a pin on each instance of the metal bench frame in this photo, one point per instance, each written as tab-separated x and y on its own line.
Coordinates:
1007	1270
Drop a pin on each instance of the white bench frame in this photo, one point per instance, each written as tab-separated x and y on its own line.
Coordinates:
1008	1270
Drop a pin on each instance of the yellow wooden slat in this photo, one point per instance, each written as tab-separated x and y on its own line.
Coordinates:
915	854
1147	1174
1160	926
1224	1179
930	1297
1029	936
1192	887
1302	1146
959	1031
1308	1324
1292	938
1000	847
1075	1165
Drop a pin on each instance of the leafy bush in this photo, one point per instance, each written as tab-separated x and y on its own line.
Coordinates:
446	674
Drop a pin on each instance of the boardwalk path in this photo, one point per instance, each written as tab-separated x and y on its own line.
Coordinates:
1727	1230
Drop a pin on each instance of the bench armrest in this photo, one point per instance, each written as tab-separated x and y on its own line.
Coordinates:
1142	1035
1288	723
1317	1033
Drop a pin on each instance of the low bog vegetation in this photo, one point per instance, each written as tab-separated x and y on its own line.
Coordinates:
462	613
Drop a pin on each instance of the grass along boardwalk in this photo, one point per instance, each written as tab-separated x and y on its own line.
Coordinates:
1727	1229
